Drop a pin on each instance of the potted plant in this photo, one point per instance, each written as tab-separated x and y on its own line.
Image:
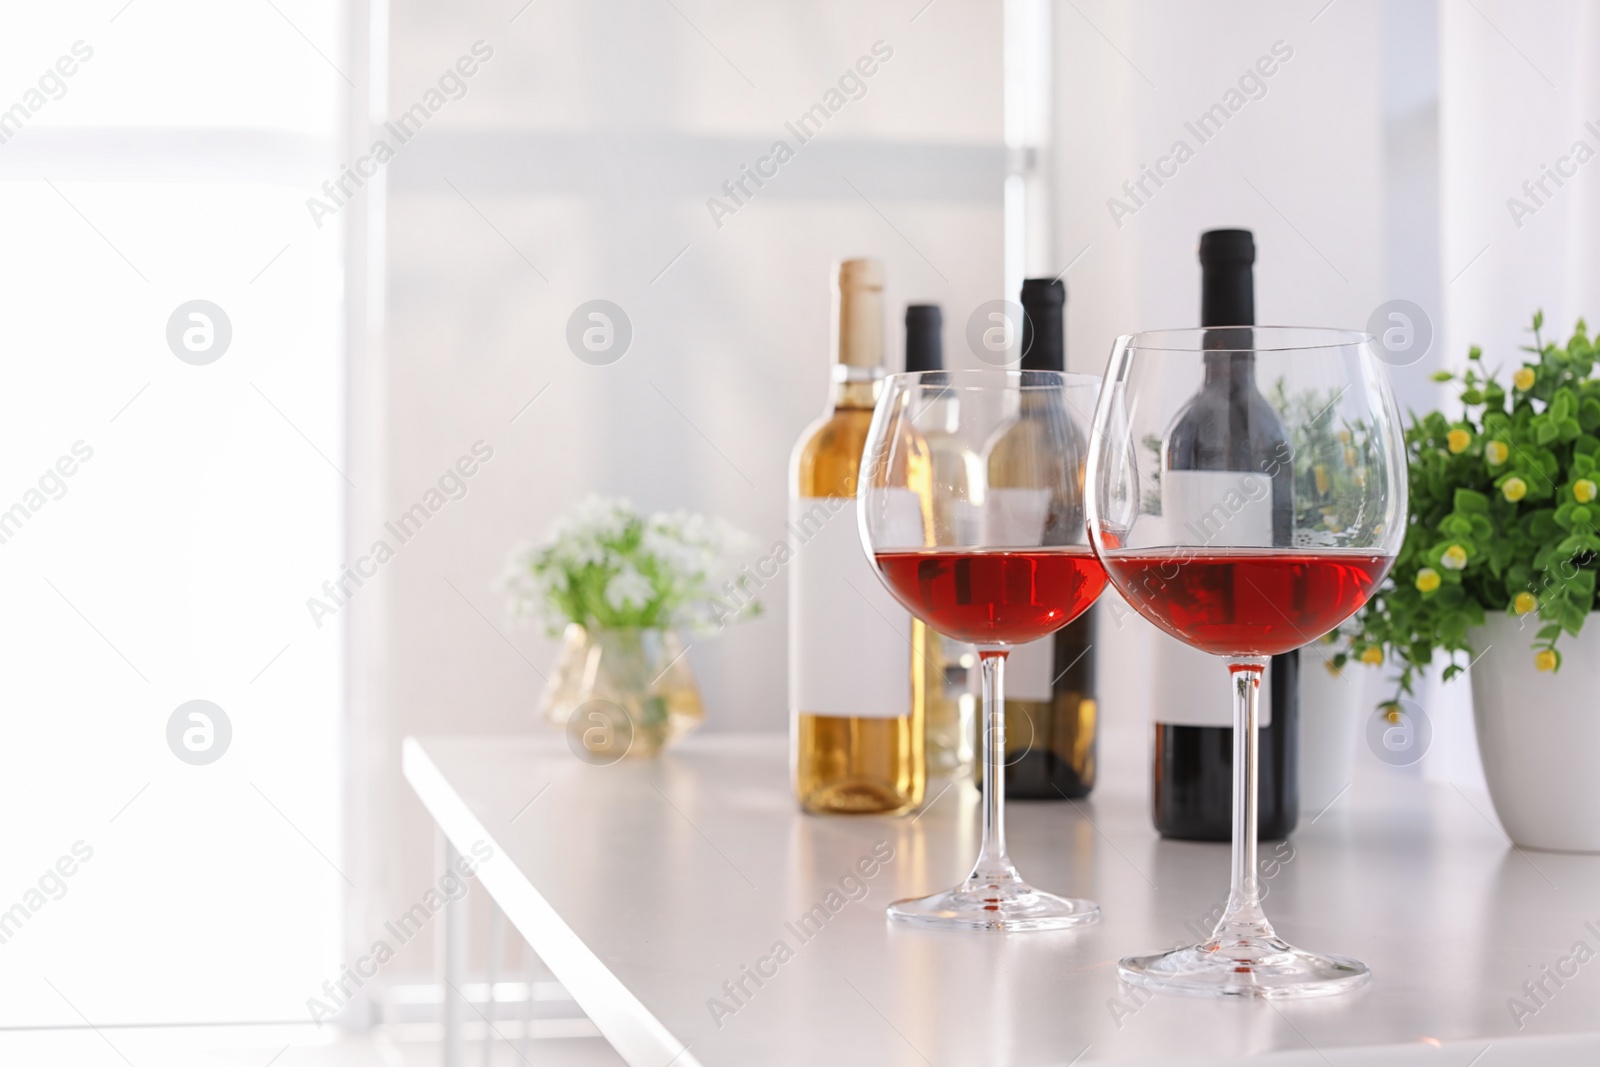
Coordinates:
1498	571
621	590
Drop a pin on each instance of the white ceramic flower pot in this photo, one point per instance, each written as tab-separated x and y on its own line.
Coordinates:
1539	735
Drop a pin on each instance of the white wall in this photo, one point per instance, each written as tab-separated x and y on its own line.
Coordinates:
1302	166
1516	90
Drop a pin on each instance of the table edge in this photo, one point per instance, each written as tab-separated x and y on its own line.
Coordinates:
637	1035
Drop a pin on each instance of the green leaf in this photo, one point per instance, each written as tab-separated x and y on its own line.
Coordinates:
1541	524
1470	500
1572	620
1589	414
1583	585
1563	404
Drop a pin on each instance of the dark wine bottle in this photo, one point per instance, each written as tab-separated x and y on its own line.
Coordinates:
1050	706
943	673
1227	430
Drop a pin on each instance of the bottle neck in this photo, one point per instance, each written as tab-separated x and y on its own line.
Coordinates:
856	388
1043	338
1037	402
942	414
1227	293
924	349
858	326
1228	298
1230	370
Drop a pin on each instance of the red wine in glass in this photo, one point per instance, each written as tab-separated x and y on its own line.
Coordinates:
994	596
1249	601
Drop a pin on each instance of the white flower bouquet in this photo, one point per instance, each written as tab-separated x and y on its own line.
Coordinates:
604	566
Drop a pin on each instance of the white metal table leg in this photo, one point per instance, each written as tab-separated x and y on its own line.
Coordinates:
497	934
453	963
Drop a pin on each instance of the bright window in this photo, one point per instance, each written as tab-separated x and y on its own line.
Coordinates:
163	519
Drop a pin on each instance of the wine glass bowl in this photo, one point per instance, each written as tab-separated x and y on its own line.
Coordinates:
971	507
1247	493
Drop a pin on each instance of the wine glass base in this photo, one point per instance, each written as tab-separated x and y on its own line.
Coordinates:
996	905
1246	967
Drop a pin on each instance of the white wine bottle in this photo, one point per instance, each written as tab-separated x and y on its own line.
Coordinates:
856	699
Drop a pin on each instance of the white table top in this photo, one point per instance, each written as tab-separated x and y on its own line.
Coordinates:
645	886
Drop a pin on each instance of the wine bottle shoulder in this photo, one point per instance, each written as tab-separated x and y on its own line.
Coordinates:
1016	452
1224	429
827	457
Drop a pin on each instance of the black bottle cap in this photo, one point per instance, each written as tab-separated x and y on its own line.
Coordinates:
1043	338
1227	281
924	347
1219	246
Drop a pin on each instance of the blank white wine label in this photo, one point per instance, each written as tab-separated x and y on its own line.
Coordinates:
1014	518
1193	688
897	522
849	640
1217	509
1030	670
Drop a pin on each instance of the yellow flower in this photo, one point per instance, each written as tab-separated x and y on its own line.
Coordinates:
1523	379
1545	660
1454	558
1523	603
1393	715
1458	440
1333	668
1373	655
1496	453
1583	490
1514	489
1320	473
1428	579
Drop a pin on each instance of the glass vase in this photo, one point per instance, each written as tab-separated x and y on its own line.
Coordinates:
632	691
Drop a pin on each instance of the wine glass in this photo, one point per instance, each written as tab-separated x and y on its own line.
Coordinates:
988	547
1247	493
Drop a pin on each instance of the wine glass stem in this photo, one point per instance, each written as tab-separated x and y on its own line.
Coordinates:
993	862
1243	916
